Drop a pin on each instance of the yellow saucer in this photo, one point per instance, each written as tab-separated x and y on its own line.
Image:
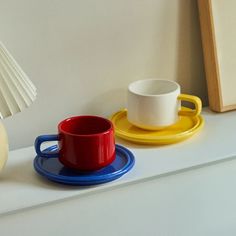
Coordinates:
183	129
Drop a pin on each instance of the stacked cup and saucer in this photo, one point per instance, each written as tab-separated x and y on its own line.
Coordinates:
154	113
86	153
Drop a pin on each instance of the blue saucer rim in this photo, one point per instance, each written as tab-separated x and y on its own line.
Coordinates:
88	179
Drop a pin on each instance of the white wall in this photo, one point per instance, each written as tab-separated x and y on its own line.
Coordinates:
82	54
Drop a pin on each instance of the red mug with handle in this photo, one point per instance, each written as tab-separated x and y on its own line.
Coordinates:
86	143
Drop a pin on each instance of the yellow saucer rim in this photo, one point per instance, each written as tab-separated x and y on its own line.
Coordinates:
163	139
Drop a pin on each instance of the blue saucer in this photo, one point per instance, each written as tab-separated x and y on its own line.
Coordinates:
52	169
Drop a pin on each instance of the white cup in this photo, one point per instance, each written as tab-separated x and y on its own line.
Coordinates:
154	104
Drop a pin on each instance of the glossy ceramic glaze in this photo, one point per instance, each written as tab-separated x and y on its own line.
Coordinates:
155	103
52	169
183	129
85	143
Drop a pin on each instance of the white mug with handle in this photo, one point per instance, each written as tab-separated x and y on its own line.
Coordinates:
155	104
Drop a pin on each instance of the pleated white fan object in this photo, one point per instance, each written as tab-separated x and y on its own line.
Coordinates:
16	93
16	90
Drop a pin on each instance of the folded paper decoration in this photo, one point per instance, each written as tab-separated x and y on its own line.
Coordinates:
16	90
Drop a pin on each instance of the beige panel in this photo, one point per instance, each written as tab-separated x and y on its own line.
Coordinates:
225	34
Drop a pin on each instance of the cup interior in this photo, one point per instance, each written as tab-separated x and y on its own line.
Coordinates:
153	87
85	125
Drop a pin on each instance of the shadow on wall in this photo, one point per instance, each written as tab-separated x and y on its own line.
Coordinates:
189	71
112	101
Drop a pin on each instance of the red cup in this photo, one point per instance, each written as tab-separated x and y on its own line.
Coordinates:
85	143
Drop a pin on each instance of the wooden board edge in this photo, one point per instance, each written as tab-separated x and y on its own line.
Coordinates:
210	55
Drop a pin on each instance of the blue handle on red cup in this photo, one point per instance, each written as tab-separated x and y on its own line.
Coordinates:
46	138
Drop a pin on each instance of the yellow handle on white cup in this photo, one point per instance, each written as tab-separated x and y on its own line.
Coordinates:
193	99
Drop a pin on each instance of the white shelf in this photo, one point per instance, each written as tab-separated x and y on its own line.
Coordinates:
21	187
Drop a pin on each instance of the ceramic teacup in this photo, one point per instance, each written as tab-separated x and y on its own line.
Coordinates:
85	143
155	104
